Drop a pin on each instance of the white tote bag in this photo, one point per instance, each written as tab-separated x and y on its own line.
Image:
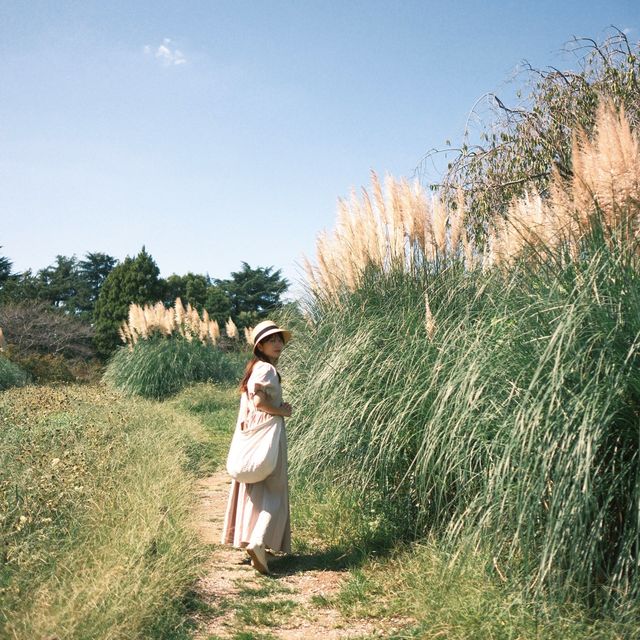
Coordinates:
253	454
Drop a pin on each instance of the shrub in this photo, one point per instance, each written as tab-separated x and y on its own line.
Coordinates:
45	367
35	328
11	375
158	367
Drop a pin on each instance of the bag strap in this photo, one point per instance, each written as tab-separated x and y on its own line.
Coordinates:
249	406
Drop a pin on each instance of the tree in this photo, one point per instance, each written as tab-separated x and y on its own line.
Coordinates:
68	284
519	148
19	287
133	281
190	288
60	285
253	293
218	304
7	278
35	328
5	269
93	271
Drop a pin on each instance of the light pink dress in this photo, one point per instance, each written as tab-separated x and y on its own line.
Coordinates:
258	513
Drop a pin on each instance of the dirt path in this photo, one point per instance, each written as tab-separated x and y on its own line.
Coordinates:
293	603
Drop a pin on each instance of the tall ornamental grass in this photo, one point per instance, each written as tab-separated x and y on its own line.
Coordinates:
158	367
168	349
487	393
95	515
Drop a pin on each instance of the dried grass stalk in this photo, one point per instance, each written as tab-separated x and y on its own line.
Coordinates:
231	329
399	227
149	320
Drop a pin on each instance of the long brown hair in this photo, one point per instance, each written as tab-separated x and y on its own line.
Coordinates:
258	357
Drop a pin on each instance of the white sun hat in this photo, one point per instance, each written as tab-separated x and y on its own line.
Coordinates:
267	328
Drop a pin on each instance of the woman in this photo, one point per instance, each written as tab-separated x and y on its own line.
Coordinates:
257	516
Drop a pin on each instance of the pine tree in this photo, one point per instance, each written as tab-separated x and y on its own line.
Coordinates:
253	293
5	269
93	271
133	281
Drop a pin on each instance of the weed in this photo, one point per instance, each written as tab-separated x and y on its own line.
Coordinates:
263	613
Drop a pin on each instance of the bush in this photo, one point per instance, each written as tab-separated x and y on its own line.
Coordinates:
35	328
489	398
50	345
159	367
46	367
11	375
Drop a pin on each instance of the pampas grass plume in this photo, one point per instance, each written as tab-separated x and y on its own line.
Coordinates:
231	329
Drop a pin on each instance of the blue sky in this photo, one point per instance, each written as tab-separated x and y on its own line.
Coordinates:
222	132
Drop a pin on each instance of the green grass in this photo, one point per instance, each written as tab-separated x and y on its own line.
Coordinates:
216	409
514	429
160	367
11	375
246	635
263	613
96	508
428	596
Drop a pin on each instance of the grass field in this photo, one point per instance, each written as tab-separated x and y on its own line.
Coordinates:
96	514
97	492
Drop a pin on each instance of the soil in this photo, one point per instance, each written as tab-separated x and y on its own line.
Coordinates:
297	602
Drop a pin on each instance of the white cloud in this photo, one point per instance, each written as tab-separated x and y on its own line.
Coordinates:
166	53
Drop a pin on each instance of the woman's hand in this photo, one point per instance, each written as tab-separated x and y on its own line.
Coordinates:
286	409
261	402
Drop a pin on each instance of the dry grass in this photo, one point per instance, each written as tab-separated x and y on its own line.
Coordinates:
401	227
605	181
146	321
97	522
398	226
231	329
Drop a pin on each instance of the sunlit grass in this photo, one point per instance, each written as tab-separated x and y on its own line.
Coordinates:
511	426
159	367
96	515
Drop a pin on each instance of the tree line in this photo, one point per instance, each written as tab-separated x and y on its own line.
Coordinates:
90	297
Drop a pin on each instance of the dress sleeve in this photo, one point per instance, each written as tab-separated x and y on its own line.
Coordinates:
264	377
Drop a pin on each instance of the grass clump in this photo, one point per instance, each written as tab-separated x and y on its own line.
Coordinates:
263	613
11	375
95	517
514	425
158	367
216	409
428	595
485	393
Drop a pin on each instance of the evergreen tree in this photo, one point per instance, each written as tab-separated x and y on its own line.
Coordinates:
174	287
20	287
253	293
134	280
93	271
59	284
5	269
190	288
7	279
218	304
